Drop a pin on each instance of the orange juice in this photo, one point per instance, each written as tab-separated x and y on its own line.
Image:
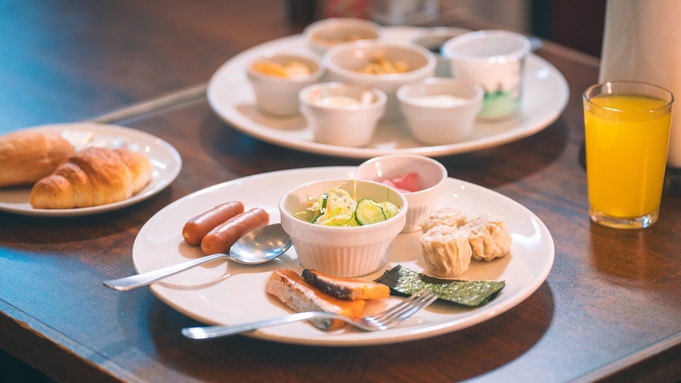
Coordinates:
626	151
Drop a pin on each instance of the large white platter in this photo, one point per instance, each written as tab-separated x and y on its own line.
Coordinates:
165	159
230	293
232	98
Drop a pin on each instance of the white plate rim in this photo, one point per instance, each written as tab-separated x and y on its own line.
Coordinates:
156	146
540	71
192	301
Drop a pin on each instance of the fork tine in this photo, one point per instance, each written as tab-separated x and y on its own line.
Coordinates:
388	321
405	309
399	306
426	301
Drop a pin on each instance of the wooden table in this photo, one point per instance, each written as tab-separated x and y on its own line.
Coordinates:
610	309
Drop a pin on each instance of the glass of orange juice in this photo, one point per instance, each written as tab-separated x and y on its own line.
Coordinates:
626	127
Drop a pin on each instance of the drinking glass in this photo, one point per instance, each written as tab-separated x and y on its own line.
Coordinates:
627	127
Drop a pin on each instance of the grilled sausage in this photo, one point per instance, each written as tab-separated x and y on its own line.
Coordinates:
221	239
196	228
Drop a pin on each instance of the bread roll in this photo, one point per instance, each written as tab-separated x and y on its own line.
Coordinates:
27	156
93	177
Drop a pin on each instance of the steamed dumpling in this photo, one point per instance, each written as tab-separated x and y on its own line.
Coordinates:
489	238
447	216
446	250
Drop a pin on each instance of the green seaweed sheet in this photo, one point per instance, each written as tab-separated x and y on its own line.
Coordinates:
468	293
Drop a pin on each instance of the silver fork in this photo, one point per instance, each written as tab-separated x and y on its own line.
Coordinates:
381	321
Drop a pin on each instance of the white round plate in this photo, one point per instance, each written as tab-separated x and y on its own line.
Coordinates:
231	96
163	156
230	293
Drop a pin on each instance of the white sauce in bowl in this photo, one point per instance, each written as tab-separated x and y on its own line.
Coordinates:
345	101
439	101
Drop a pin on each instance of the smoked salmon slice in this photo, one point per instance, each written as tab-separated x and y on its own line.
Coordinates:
298	295
346	288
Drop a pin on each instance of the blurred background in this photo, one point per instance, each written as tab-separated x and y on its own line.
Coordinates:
574	23
563	21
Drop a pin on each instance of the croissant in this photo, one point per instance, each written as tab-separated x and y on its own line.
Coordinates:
92	177
27	156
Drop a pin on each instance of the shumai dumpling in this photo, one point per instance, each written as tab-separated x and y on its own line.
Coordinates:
446	250
447	216
489	237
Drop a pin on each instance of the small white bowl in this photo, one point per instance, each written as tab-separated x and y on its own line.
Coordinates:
342	61
495	60
441	111
432	177
277	95
325	34
342	251
342	114
433	39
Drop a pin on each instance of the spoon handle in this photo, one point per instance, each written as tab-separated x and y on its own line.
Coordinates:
139	280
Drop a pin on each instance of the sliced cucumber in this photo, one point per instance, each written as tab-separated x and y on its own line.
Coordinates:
389	209
325	199
368	212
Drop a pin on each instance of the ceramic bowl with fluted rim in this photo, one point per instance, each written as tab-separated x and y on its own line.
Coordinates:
431	175
343	62
276	95
441	111
325	34
342	251
342	114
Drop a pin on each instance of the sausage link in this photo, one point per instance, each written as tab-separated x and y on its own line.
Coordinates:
196	228
221	239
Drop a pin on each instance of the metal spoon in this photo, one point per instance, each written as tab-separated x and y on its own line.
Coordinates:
258	246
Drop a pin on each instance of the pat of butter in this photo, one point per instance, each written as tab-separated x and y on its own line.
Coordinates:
439	101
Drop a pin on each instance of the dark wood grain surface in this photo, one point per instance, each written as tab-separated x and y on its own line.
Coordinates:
609	310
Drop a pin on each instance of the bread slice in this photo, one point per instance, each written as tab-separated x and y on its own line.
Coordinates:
346	288
27	156
300	296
